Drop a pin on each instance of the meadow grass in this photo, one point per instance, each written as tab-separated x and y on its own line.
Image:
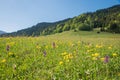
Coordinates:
65	56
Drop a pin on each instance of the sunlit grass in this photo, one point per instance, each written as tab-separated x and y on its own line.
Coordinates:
66	56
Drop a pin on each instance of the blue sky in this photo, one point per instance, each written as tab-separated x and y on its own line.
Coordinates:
20	14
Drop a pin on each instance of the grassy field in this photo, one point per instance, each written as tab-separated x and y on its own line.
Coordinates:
65	56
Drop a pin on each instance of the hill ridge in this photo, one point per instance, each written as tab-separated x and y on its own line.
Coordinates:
2	32
107	19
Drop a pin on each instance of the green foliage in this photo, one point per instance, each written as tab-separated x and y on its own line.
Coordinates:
65	56
106	19
85	27
114	27
66	27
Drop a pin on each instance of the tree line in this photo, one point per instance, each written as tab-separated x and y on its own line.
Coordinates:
107	20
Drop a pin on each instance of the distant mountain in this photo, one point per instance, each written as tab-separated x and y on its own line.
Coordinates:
36	30
2	32
106	19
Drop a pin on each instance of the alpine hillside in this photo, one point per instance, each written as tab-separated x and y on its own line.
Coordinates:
106	20
2	32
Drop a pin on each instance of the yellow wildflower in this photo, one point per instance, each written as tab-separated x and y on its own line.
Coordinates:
94	58
79	42
10	53
67	60
38	47
96	54
96	46
3	61
99	46
114	54
70	56
109	47
46	47
87	46
61	62
66	57
102	59
88	51
64	53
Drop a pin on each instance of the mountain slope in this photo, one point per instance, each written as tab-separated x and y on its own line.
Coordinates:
35	30
106	19
2	32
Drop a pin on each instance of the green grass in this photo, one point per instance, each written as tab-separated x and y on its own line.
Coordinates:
65	56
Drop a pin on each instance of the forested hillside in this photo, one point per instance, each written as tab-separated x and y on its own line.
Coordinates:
35	30
107	20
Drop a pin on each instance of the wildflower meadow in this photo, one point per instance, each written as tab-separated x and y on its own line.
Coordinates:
72	56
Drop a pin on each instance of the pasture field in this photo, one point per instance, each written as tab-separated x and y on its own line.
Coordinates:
64	56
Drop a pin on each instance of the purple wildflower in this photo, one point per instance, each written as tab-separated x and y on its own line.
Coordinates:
44	53
106	59
7	48
53	44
